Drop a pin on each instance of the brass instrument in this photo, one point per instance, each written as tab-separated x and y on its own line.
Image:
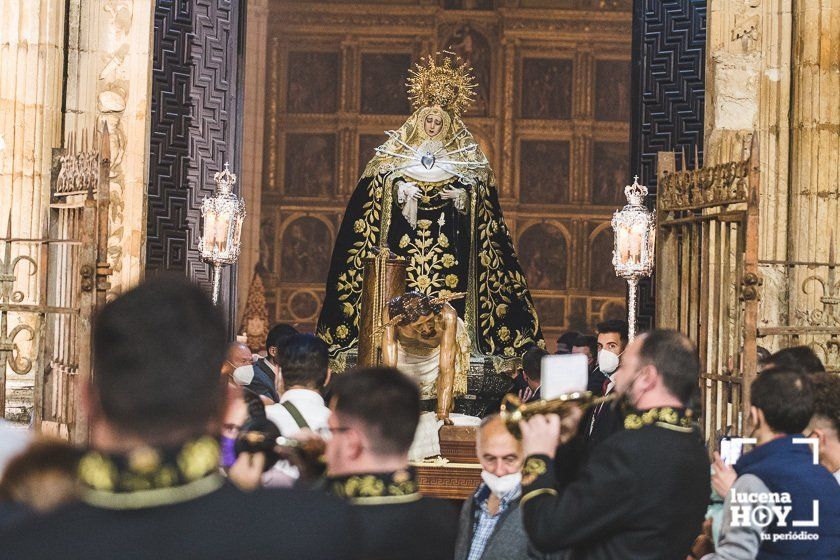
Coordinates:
513	410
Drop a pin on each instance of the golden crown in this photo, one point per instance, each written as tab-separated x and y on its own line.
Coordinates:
449	84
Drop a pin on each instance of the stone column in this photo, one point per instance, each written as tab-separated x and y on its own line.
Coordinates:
31	61
251	174
108	83
815	146
748	89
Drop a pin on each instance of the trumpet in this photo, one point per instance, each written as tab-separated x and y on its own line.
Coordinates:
513	410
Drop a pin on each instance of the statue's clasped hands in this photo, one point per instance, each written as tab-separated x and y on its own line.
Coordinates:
458	196
408	191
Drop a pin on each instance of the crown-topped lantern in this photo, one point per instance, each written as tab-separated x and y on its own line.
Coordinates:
449	84
222	215
633	251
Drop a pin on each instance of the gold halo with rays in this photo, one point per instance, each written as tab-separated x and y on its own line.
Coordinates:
449	84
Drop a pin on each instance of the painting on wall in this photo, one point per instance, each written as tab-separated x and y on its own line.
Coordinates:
610	173
577	319
542	251
546	88
383	84
612	90
313	82
268	237
310	164
551	311
304	305
305	255
474	48
468	4
602	276
544	171
607	309
367	146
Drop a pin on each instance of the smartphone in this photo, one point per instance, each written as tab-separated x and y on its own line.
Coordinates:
731	449
563	373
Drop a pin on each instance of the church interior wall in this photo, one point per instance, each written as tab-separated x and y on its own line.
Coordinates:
552	115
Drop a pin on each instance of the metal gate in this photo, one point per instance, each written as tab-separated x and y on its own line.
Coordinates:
707	282
51	286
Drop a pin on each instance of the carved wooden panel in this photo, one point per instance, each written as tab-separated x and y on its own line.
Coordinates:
313	82
610	172
383	83
193	128
305	251
546	88
544	172
602	276
612	90
310	165
669	47
468	4
473	46
543	254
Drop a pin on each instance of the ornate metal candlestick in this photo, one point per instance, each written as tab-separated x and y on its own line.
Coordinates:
222	215
633	251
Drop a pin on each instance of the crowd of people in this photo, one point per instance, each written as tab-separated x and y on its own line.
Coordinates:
278	458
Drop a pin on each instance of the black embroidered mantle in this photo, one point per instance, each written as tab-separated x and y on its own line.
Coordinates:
448	251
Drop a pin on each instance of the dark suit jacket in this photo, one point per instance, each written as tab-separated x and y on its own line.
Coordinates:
418	530
225	525
608	420
263	382
641	495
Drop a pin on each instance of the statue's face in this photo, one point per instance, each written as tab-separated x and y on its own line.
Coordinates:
425	326
433	124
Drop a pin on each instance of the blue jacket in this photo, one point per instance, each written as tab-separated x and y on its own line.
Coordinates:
787	467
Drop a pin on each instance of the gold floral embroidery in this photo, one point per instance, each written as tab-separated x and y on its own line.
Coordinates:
533	468
504	334
342	331
97	472
497	283
664	415
427	260
198	457
144	460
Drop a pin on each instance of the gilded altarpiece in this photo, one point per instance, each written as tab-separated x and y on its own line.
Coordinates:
552	115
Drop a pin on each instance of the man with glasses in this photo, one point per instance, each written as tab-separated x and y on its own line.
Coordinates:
374	416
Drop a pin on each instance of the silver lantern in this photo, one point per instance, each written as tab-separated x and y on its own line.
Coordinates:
222	215
633	251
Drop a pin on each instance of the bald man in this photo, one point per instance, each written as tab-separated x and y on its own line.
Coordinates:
238	354
490	526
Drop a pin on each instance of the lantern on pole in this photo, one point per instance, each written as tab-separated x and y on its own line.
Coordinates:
633	251
222	215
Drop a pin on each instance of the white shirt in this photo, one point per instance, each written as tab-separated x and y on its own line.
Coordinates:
837	475
311	406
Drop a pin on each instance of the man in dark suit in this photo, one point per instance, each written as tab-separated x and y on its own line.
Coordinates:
374	416
642	494
150	483
606	419
532	373
264	377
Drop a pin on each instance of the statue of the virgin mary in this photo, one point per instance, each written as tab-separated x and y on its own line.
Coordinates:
429	195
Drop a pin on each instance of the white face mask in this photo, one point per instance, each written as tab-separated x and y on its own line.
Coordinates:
501	485
607	361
